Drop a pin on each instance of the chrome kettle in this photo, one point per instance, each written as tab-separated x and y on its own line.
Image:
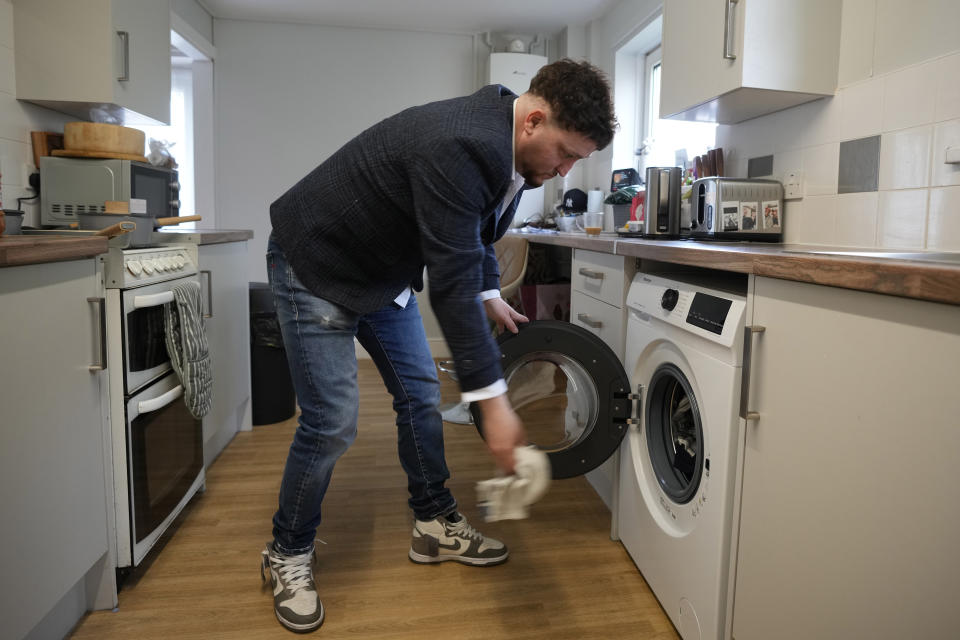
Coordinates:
661	207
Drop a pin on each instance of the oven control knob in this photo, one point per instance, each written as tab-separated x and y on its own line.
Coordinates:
134	267
669	299
147	266
180	262
164	263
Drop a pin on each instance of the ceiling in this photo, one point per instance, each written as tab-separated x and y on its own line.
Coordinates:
548	17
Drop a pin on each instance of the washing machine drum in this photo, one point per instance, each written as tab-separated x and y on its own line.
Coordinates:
570	391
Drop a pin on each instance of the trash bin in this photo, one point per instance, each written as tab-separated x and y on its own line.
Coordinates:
271	388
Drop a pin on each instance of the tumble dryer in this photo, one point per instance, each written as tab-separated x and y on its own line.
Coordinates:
678	465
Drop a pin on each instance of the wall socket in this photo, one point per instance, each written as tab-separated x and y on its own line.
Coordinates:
25	170
793	184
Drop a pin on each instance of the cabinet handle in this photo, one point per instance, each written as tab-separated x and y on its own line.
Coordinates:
745	412
727	40
589	273
209	274
585	319
101	334
125	42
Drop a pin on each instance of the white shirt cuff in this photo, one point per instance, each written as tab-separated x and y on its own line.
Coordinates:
490	391
490	294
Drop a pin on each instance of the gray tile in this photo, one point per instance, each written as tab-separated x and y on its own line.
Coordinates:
760	166
859	165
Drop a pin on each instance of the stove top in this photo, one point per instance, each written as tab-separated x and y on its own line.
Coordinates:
129	268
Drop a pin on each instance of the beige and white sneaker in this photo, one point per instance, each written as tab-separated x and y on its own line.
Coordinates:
441	539
295	599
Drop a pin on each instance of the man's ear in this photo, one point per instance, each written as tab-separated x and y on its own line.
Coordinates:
535	118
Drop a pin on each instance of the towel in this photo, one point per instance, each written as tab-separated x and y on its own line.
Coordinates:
188	349
508	497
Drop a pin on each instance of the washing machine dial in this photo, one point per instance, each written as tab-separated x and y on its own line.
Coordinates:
669	299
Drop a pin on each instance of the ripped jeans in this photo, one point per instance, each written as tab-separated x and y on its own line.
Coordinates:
318	338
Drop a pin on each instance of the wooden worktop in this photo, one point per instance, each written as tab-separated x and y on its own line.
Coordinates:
933	281
20	250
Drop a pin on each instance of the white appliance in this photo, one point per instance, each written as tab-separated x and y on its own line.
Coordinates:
677	466
515	71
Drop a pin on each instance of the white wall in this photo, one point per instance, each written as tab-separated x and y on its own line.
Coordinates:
17	120
899	79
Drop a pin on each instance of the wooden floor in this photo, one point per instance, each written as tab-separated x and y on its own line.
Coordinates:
565	578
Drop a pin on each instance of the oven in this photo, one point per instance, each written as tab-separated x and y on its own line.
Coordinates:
157	444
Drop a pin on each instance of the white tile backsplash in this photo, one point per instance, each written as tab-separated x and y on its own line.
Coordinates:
820	166
943	226
905	158
856	219
858	22
902	217
818	220
862	110
945	134
909	97
948	88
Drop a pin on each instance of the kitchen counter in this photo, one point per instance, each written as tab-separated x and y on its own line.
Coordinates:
201	236
20	250
921	277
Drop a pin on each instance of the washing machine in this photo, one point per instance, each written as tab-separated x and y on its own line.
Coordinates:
678	465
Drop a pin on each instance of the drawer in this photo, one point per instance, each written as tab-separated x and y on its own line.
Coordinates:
599	318
599	275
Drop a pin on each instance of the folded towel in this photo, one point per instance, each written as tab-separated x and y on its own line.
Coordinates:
187	346
507	497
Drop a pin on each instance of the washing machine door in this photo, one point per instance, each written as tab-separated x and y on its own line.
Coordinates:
570	391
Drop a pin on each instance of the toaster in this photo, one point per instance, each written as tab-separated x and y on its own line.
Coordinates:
736	209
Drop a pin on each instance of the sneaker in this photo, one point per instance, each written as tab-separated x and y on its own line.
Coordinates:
440	539
295	599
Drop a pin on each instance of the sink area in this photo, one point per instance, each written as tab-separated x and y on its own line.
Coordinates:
945	257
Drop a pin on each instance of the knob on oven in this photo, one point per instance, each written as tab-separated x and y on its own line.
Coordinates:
669	299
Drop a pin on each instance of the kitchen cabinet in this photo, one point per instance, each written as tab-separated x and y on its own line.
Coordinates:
73	57
53	533
599	284
735	60
226	292
848	516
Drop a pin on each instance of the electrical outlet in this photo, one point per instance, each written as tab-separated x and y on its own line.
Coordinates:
793	185
25	170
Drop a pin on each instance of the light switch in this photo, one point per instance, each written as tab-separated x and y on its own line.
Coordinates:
793	184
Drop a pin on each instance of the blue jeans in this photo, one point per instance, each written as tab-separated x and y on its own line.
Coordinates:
318	337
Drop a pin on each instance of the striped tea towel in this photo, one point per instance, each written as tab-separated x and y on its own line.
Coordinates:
187	346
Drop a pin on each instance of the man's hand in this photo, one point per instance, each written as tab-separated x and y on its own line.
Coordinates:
502	430
503	314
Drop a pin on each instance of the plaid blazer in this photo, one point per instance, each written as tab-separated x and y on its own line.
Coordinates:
421	188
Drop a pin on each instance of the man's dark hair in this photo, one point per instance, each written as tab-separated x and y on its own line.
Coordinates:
579	97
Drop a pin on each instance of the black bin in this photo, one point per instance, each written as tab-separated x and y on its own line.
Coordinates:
271	388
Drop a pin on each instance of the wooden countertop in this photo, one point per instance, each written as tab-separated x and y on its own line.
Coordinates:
914	278
20	250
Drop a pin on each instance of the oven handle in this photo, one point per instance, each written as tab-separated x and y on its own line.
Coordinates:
152	300
146	406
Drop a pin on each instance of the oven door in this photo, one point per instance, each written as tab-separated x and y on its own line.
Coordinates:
165	460
145	355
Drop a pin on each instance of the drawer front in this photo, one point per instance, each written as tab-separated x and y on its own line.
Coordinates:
602	319
599	275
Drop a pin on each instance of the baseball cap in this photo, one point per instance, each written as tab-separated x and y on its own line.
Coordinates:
574	201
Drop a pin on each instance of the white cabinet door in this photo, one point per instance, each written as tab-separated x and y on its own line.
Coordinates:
226	292
53	527
68	57
849	518
728	61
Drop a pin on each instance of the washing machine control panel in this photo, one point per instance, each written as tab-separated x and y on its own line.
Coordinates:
669	299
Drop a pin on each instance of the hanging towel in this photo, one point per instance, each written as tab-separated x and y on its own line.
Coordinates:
187	346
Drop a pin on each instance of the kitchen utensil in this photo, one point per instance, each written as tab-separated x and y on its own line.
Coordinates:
164	222
661	213
44	142
737	209
117	229
98	137
140	236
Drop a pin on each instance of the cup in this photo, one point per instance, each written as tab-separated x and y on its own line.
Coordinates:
593	222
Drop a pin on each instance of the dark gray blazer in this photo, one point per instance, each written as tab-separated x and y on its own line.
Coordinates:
421	188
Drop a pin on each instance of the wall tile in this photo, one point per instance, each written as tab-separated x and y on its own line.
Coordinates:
856	219
859	166
911	32
948	88
788	160
901	218
817	223
760	166
792	220
811	123
945	134
943	226
905	158
856	40
862	110
820	166
909	96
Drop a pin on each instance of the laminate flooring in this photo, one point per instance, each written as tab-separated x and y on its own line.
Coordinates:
565	578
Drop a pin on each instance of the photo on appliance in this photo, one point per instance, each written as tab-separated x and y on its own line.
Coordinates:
748	216
771	215
731	216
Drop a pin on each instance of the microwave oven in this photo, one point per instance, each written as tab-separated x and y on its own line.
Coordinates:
69	186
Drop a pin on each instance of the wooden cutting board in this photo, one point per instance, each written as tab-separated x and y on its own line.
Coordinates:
76	153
